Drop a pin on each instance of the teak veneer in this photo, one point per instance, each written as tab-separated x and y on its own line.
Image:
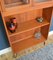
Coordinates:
26	12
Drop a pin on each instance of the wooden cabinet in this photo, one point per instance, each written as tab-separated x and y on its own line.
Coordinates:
26	12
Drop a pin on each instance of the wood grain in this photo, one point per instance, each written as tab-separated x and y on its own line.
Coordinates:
26	44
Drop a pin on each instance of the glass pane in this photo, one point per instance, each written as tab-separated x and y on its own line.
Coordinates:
41	0
10	3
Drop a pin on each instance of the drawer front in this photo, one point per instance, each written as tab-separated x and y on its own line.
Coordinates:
21	36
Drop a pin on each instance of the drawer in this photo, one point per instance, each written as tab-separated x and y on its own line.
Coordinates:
21	36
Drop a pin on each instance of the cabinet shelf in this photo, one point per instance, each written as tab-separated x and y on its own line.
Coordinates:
29	25
16	41
25	43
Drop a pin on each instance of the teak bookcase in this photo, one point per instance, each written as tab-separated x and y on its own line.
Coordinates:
26	12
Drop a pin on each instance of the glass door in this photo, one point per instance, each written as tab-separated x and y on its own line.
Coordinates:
38	1
12	3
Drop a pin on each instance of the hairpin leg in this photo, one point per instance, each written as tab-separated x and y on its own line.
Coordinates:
44	43
14	55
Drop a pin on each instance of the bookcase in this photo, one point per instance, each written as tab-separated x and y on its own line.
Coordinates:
26	12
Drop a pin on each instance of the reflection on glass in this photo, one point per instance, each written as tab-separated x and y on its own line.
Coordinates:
11	3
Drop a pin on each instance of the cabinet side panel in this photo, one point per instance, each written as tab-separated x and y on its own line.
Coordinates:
47	13
45	31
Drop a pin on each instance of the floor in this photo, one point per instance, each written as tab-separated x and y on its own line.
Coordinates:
30	53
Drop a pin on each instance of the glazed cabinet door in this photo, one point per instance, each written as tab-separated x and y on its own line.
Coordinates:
6	4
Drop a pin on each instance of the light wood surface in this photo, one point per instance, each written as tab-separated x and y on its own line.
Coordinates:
27	26
26	44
